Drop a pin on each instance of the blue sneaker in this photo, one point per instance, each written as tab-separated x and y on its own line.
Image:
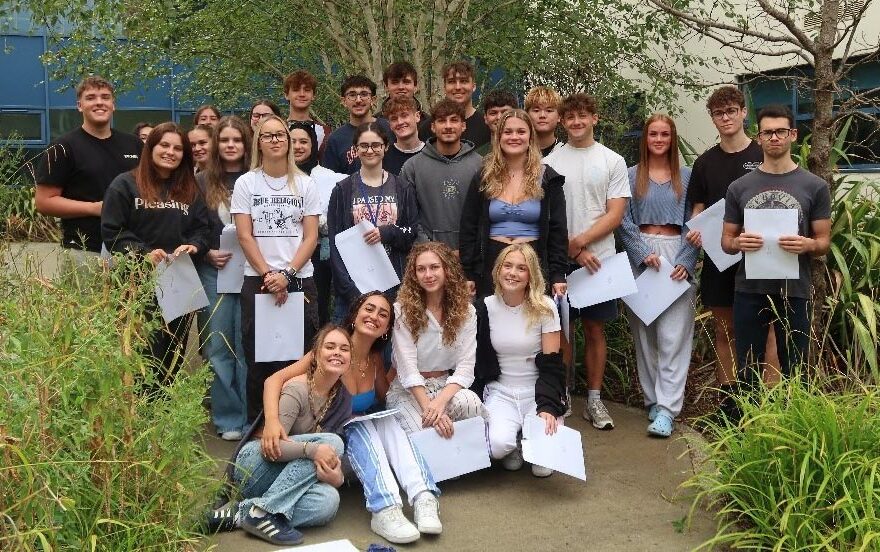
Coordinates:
273	528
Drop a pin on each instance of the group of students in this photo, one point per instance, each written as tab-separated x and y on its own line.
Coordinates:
482	246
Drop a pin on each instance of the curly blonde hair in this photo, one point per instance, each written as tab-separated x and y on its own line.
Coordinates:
456	300
534	306
495	174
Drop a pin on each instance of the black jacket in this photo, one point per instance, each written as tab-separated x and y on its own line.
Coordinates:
551	245
549	389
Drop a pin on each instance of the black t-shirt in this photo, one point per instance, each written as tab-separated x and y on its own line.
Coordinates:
84	166
549	149
716	169
394	159
476	132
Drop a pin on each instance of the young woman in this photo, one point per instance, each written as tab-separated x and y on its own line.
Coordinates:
156	211
651	229
373	447
376	195
297	486
435	333
200	140
518	354
515	199
276	209
262	109
220	322
142	130
305	153
206	115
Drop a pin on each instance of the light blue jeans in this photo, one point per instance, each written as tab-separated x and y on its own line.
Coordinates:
220	337
290	488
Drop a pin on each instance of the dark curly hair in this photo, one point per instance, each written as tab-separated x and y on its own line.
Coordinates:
348	323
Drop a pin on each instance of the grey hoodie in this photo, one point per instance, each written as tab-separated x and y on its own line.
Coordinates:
441	186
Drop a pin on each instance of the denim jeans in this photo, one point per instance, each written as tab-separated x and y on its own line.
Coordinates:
752	315
290	488
220	336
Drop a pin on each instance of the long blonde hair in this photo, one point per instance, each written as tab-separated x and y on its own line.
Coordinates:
495	174
672	154
535	305
257	156
456	300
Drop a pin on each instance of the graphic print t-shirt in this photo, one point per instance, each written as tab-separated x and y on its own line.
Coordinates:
377	204
276	213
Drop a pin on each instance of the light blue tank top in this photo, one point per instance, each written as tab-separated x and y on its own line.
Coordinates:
361	402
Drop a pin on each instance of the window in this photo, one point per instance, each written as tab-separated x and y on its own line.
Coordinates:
125	120
22	125
62	121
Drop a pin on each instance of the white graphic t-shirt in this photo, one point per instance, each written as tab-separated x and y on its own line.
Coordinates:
276	214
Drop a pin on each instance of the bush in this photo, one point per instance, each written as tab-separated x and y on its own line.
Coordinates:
19	219
801	473
86	461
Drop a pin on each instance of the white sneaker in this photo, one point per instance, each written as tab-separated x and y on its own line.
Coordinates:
232	435
392	525
426	514
514	460
541	471
595	412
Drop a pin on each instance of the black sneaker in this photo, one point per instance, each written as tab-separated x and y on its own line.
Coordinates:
222	519
273	528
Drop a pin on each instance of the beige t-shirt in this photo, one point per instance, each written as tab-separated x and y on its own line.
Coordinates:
297	418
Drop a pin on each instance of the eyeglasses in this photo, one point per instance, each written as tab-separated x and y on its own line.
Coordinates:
273	137
358	95
731	112
375	146
258	116
780	133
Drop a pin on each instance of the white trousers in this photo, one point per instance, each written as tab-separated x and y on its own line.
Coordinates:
507	408
463	405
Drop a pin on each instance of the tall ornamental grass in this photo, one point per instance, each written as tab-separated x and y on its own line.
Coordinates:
86	461
801	473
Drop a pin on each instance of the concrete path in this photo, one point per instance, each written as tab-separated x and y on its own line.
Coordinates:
631	501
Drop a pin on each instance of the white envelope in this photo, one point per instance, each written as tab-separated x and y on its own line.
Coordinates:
613	281
771	262
465	452
368	265
564	316
562	451
710	223
278	331
231	277
373	416
178	288
332	546
656	292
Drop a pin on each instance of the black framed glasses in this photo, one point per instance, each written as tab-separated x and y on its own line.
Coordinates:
375	146
781	133
731	112
364	95
273	137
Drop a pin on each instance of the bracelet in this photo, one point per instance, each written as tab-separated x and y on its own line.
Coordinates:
305	454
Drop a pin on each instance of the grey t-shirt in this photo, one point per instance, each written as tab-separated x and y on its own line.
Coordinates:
798	189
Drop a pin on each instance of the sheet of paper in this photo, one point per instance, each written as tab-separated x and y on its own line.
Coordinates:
562	451
564	316
368	265
465	452
278	331
231	277
332	546
613	281
178	288
373	416
710	223
771	262
656	292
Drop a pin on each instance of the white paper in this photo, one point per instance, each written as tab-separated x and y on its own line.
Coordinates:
613	280
278	331
178	288
562	451
465	452
368	265
656	292
373	416
771	262
710	223
231	276
332	546
564	316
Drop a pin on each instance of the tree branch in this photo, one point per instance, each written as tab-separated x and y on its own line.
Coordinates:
805	42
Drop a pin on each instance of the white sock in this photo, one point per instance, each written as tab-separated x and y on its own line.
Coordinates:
593	394
257	512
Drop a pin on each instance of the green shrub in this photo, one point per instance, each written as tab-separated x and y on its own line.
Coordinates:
86	461
19	219
801	473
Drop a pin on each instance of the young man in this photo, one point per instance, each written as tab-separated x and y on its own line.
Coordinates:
402	81
542	105
734	156
441	174
777	183
495	103
358	94
402	113
596	191
77	168
459	84
299	89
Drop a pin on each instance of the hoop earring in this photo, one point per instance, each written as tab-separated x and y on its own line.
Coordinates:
384	337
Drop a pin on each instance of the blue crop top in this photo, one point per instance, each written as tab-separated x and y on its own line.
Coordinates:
362	402
514	220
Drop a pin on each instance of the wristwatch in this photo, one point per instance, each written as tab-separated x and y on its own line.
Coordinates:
290	274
